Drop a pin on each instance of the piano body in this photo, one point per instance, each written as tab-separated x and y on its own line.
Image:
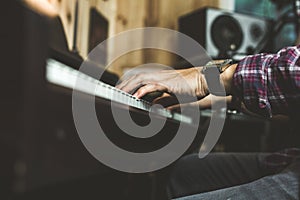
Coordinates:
37	110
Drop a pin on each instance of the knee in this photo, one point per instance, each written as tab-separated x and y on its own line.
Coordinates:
182	174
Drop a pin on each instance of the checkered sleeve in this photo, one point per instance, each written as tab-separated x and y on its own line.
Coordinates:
269	84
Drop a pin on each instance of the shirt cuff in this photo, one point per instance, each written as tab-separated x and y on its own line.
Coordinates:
250	84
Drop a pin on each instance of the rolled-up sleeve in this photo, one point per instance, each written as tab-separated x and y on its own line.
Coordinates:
269	84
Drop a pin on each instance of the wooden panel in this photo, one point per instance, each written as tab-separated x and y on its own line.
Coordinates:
124	15
66	9
130	14
167	16
83	27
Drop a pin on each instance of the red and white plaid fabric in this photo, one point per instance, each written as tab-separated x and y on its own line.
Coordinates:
269	84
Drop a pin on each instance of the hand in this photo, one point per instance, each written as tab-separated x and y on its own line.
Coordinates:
204	103
226	78
186	82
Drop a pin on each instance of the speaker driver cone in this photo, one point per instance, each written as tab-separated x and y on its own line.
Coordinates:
227	34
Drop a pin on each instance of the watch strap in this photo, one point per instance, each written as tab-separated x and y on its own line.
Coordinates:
212	71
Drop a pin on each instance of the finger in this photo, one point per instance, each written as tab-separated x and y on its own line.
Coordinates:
125	82
131	86
166	100
175	108
186	107
152	96
146	89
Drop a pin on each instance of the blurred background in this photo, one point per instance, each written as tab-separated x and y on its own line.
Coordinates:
101	19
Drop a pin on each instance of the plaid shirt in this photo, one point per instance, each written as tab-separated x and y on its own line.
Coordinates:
269	84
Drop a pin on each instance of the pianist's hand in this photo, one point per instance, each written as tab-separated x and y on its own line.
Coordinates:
186	82
204	103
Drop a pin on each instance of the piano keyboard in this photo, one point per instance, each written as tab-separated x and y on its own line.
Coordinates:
63	75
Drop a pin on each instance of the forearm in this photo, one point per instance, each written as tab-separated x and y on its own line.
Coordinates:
227	78
268	83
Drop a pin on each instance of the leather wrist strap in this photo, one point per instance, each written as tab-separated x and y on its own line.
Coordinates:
212	71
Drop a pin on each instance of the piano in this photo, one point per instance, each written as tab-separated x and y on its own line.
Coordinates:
62	75
51	149
37	108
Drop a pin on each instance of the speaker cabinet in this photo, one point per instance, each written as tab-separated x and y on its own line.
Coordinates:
225	34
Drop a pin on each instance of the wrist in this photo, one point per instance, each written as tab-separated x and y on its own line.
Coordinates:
215	78
203	86
227	78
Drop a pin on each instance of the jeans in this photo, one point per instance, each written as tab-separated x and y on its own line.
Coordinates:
232	176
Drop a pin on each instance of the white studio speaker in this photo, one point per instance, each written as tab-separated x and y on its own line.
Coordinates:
224	33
